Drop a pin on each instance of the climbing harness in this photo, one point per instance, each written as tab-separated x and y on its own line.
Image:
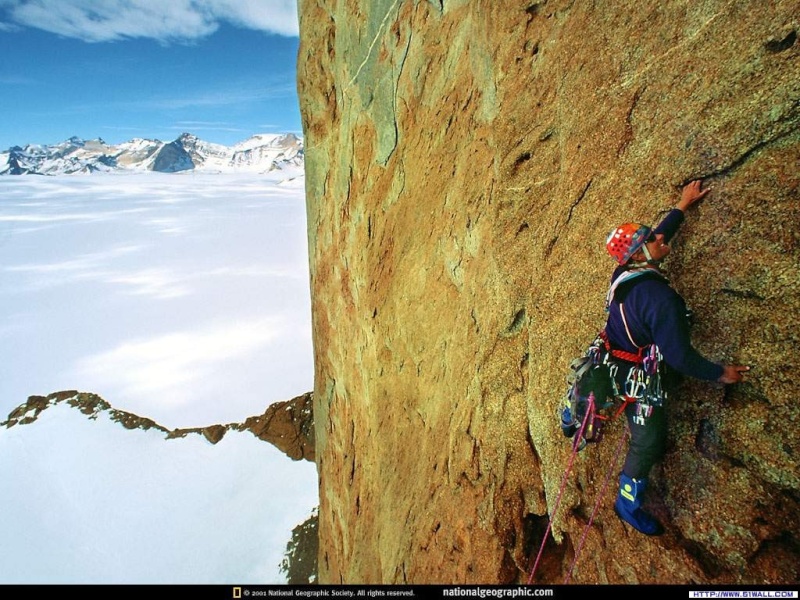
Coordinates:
598	373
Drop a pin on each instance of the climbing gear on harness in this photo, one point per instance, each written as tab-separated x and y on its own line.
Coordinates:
628	506
613	376
589	377
625	240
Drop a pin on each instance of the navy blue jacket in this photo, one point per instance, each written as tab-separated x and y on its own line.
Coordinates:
656	313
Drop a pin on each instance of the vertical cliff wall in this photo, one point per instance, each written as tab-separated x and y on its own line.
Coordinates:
465	161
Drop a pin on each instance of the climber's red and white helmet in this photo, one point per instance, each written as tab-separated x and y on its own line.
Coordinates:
625	240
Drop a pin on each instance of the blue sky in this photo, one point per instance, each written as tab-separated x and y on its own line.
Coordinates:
118	69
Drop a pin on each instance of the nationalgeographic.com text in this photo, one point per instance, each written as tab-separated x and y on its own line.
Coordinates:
517	592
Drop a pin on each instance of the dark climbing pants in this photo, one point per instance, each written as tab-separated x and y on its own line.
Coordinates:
648	440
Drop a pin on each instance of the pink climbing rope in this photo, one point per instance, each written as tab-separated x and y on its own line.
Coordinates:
575	445
609	472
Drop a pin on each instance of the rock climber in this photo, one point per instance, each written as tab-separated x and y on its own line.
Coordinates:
647	326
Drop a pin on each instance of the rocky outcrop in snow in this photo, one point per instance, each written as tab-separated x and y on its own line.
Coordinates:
289	426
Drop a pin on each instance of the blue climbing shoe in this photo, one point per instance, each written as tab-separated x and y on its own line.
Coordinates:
628	506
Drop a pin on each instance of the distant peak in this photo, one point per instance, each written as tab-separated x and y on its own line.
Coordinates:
260	153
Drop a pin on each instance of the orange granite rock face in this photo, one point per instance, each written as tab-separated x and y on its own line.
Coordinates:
464	164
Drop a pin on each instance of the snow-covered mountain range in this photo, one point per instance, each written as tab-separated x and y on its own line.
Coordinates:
259	154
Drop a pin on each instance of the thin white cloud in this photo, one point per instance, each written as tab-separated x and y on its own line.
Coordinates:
15	79
277	16
82	217
220	97
83	263
154	283
182	127
177	20
94	504
159	283
167	365
204	124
